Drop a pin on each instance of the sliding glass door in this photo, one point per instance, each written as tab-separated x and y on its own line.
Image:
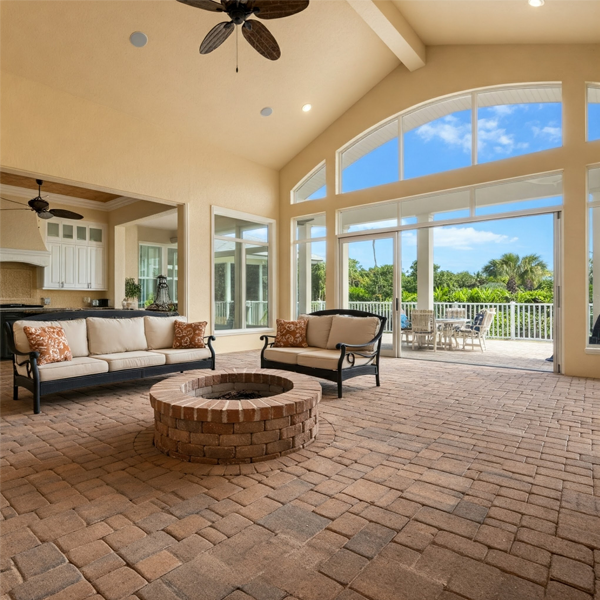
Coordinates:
370	281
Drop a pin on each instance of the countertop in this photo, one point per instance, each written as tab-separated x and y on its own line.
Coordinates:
49	309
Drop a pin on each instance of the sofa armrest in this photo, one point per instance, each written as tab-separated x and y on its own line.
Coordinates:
267	344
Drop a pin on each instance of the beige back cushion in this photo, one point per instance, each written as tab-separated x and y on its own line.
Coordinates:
160	331
75	332
317	332
352	330
111	336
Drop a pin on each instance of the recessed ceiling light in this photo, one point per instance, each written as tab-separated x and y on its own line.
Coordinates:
536	3
138	39
267	111
307	107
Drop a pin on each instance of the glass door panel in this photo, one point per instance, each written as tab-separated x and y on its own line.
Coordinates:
370	283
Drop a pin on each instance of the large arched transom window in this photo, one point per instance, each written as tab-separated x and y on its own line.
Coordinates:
467	129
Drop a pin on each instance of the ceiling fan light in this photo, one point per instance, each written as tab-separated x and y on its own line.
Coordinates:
45	215
535	3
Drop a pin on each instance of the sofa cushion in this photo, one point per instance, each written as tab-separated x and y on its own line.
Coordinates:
50	342
289	356
189	335
121	361
160	331
317	332
174	356
352	330
113	336
291	334
75	332
78	367
327	359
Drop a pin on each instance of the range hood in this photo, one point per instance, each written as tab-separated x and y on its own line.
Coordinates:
22	240
38	258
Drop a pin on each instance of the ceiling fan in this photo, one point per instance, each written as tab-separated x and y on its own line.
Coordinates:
39	206
239	11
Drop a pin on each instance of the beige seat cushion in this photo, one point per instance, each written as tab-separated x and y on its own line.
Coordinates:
160	331
289	356
183	355
317	333
75	332
78	367
113	336
327	359
121	361
352	330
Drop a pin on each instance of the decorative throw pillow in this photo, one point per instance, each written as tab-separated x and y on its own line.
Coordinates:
50	342
291	334
189	335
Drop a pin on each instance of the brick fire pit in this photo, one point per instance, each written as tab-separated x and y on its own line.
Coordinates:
193	424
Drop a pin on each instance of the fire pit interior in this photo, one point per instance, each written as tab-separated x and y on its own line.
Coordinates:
235	416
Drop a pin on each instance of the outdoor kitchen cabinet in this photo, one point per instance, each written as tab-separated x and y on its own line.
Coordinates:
77	256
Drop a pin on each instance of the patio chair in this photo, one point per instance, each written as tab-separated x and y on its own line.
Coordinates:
456	313
477	330
423	328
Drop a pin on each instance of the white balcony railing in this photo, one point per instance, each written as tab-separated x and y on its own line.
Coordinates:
513	320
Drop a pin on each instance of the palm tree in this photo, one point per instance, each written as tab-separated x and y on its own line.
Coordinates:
527	271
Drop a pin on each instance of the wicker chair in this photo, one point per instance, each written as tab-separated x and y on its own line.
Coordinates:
475	332
423	328
456	313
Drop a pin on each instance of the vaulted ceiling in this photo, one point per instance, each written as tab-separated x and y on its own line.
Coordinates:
330	59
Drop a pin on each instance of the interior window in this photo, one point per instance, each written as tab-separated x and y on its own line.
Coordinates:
593	112
312	187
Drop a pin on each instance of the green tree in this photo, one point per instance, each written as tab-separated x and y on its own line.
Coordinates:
527	272
318	281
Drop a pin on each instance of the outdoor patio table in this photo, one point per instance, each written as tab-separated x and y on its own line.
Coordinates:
447	327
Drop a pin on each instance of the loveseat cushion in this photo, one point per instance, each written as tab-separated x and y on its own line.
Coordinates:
327	359
113	336
352	330
160	331
175	356
317	332
121	361
289	356
75	332
291	334
78	367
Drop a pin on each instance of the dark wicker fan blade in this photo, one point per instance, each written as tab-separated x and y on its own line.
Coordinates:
204	5
64	214
216	36
277	9
260	38
13	201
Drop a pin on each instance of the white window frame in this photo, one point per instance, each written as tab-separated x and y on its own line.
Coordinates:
309	175
272	268
164	260
474	93
588	86
588	209
295	243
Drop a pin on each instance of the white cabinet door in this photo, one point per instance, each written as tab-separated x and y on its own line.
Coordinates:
52	278
97	268
68	261
83	268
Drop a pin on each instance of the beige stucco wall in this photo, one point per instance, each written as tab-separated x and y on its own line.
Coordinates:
450	70
51	134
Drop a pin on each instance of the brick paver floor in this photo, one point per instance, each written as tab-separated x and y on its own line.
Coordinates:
447	482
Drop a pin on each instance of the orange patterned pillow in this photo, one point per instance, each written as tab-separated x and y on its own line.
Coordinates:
291	334
50	342
189	335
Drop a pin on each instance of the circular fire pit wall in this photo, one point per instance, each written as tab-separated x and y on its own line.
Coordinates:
235	416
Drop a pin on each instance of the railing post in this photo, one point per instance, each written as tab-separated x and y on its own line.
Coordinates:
512	320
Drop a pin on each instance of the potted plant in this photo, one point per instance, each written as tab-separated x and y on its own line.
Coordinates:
133	291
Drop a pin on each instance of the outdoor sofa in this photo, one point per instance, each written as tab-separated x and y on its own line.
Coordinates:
341	344
107	347
595	337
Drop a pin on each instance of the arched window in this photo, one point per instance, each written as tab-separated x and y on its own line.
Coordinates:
456	132
312	187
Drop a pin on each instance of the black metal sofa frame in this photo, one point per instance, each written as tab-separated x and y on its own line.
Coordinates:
341	375
43	388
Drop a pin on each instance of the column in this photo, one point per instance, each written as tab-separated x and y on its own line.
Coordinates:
425	265
304	282
596	257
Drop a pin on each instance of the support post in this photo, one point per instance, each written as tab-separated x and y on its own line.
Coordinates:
512	320
425	265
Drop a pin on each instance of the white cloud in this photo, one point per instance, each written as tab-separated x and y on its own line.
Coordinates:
552	133
449	130
503	109
460	238
491	134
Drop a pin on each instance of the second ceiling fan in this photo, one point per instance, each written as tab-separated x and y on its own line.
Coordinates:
239	11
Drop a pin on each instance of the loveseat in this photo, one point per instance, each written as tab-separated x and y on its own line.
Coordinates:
341	344
107	347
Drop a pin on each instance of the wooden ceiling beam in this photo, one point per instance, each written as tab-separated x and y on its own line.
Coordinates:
395	31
